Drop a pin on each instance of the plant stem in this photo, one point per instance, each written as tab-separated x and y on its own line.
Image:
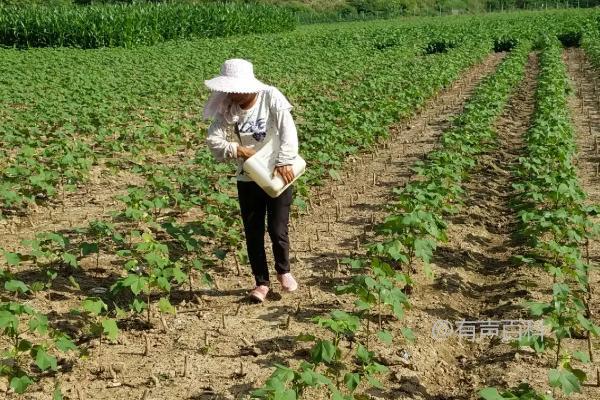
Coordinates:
148	307
379	311
368	330
558	348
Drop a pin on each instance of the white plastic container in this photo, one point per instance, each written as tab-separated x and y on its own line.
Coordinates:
260	168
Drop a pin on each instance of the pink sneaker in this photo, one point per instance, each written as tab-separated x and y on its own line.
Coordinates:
259	293
287	281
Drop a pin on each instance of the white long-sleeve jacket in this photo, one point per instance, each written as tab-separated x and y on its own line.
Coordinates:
270	115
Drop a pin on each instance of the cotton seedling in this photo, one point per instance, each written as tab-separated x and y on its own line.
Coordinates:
94	310
33	343
148	267
556	224
327	366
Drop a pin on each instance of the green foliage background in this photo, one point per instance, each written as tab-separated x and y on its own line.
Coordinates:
365	7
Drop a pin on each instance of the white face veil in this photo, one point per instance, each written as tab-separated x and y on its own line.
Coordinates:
216	104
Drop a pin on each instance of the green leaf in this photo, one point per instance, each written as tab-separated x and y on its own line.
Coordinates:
323	351
286	394
363	354
588	325
536	342
538	309
385	337
582	356
305	337
37	286
490	394
138	306
336	395
566	380
38	323
57	394
44	360
165	306
110	329
163	283
424	249
74	282
312	378
16	286
352	380
8	321
334	174
120	313
12	259
94	305
24	345
89	248
220	254
64	343
428	270
408	334
136	283
374	382
362	305
70	259
376	368
20	384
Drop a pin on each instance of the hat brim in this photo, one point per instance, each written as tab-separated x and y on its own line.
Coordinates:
232	85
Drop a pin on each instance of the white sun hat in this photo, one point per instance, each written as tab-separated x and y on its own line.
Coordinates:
237	76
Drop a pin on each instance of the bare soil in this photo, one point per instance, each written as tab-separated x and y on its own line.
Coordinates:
584	104
476	278
230	345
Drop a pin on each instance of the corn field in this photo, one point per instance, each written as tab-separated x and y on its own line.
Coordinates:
130	25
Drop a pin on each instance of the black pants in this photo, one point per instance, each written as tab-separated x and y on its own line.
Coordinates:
254	205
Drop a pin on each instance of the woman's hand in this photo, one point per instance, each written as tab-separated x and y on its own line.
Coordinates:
245	152
286	172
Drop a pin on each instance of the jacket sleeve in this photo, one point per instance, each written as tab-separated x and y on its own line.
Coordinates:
216	141
288	137
286	128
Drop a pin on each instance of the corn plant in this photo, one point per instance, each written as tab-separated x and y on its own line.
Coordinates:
134	24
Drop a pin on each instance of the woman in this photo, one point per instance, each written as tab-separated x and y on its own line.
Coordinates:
256	113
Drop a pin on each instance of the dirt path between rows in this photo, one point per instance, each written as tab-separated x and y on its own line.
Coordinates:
230	346
475	278
585	114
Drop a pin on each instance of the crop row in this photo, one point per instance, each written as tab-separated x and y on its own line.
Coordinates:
340	111
556	225
51	142
590	41
106	109
140	246
67	110
382	280
138	24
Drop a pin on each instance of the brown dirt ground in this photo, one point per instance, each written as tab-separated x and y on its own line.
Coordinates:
584	104
474	280
214	372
